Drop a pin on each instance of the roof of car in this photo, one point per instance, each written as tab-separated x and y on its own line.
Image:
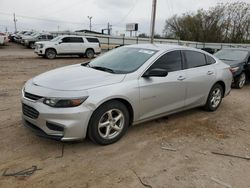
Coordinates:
161	47
242	49
76	36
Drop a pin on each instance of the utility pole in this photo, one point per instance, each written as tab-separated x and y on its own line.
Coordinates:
90	24
15	20
152	25
109	29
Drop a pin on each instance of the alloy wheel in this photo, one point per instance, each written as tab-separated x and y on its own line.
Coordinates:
216	97
111	124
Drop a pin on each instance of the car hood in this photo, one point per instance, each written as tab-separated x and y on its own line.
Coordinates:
43	42
232	63
76	78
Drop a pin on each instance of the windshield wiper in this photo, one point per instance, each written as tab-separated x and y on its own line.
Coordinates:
86	64
102	69
227	59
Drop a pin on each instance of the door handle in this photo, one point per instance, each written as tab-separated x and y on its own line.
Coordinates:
180	78
210	72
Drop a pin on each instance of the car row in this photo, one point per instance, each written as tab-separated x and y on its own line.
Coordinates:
29	38
100	99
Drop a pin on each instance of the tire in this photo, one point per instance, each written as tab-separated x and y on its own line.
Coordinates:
214	98
240	81
50	54
90	53
32	45
105	126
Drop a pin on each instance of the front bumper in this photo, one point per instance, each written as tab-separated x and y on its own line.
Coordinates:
72	122
39	51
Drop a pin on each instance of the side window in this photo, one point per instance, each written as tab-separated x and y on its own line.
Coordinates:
210	60
76	39
94	40
50	37
171	61
43	37
194	59
66	39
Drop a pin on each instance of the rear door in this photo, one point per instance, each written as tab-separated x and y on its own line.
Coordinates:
201	76
159	95
77	45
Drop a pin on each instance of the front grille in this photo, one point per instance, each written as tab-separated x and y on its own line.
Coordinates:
30	112
32	96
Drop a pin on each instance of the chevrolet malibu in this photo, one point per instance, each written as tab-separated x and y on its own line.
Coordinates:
129	85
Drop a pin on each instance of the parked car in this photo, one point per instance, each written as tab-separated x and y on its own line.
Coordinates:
209	50
69	45
27	34
30	41
3	38
239	61
128	85
18	35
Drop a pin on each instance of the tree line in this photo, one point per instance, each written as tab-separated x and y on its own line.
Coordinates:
227	23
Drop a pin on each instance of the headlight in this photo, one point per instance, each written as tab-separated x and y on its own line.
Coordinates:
63	103
40	45
26	41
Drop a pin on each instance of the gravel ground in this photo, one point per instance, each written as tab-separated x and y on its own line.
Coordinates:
137	158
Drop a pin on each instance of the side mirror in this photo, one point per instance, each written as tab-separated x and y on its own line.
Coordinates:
156	72
59	42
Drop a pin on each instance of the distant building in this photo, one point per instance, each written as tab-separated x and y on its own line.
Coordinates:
88	31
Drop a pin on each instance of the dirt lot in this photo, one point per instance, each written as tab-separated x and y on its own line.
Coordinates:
138	156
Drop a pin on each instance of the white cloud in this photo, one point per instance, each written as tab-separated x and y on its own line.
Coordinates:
117	12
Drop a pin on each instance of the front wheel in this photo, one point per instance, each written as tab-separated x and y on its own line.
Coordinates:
50	54
108	123
240	81
214	98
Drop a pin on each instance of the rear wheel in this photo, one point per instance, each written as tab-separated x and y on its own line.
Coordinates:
240	81
90	53
50	54
214	98
108	123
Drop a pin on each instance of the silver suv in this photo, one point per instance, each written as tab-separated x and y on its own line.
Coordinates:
69	45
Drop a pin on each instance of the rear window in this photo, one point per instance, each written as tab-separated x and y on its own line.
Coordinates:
94	40
210	60
194	59
50	37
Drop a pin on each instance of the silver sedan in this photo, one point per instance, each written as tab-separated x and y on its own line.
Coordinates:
129	85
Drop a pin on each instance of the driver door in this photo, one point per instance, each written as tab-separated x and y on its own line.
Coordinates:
160	95
64	46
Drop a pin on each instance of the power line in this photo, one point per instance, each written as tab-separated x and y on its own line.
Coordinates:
44	19
132	8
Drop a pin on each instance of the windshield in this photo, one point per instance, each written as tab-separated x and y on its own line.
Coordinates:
231	55
55	39
122	60
33	34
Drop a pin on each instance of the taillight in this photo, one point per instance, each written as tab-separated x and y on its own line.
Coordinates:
234	69
99	44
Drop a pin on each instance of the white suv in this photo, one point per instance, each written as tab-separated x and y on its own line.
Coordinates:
68	45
